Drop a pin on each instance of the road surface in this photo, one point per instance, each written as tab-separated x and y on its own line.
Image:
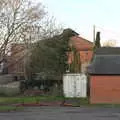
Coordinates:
63	113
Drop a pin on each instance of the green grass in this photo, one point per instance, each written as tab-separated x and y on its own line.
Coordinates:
11	100
9	108
38	99
78	101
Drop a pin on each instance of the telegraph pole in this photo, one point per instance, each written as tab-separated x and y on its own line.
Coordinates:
94	34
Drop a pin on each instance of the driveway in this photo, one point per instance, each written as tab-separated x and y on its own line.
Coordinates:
63	113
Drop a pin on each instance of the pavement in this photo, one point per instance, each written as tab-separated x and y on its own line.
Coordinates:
67	102
63	113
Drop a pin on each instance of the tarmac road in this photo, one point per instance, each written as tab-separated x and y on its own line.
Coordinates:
63	113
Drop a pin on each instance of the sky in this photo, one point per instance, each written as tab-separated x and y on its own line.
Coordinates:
81	15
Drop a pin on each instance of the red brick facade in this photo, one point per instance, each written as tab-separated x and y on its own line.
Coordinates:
86	56
81	43
85	50
84	47
105	89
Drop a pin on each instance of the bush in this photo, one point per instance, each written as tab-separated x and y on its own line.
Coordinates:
56	90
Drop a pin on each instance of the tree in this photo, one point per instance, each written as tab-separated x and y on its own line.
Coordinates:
50	55
24	22
35	37
15	17
75	66
97	41
109	43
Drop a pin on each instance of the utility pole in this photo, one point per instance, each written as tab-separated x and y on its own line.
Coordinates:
94	34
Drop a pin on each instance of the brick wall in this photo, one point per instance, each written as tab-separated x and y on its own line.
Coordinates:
81	43
105	89
85	50
86	56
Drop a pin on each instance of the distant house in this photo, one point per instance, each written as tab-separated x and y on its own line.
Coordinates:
84	49
105	76
82	46
16	59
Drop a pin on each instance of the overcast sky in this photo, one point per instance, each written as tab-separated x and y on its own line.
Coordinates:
81	15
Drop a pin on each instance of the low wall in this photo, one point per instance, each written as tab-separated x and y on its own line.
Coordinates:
105	89
10	89
4	79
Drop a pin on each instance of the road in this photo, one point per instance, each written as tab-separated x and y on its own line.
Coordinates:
63	113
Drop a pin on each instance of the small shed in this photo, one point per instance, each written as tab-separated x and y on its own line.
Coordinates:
105	76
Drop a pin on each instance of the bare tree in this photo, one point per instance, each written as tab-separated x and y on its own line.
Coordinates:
15	17
32	34
109	43
23	21
46	28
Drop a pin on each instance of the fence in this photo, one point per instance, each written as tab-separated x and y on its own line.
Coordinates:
75	85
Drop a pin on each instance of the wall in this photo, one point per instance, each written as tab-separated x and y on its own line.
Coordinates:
8	86
105	89
81	43
86	56
10	89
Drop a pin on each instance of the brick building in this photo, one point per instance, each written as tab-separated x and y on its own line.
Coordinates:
16	59
84	49
105	76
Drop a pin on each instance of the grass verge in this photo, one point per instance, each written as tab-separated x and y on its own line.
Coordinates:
36	99
39	99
